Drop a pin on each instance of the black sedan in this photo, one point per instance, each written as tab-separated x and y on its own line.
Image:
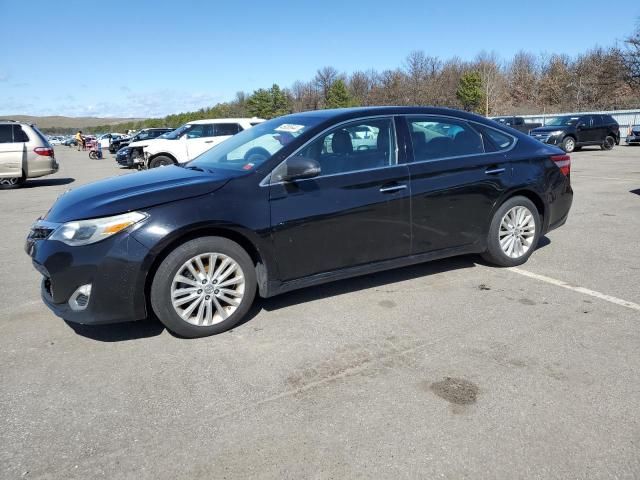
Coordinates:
144	134
294	202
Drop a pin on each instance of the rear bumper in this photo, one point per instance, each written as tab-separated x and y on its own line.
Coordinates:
632	139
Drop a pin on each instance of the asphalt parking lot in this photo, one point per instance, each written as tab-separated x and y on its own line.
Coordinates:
444	370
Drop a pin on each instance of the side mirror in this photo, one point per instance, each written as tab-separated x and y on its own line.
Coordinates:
299	168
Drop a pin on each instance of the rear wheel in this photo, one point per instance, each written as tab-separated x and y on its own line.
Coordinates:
514	233
10	183
609	143
203	287
93	155
160	161
568	144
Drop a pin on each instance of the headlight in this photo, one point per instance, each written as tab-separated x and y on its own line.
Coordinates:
84	232
557	132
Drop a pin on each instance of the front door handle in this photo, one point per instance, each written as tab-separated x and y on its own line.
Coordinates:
208	141
494	171
392	188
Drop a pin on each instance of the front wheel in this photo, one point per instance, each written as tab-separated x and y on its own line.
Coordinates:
513	233
93	155
608	143
568	144
204	287
160	161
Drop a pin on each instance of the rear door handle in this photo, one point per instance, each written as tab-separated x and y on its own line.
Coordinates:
208	141
494	171
392	188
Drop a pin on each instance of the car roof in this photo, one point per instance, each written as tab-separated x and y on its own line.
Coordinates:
355	112
224	120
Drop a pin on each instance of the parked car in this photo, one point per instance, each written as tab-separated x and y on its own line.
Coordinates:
25	153
55	140
131	154
144	134
70	142
196	243
106	139
519	123
192	139
572	132
634	135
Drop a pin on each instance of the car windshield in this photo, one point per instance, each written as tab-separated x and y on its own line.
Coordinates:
562	121
250	148
178	132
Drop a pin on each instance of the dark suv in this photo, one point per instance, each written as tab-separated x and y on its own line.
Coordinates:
572	132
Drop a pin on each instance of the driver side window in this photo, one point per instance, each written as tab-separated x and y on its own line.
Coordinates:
359	145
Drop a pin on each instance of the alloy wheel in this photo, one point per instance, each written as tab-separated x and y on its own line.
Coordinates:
9	182
517	231
207	289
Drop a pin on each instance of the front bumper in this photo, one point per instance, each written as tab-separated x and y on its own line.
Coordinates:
548	139
114	268
632	139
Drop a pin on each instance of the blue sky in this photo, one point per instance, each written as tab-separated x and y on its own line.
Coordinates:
152	58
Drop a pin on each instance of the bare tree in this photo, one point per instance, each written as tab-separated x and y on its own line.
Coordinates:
324	78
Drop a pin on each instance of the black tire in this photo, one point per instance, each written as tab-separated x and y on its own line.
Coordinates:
161	161
568	144
577	149
494	254
161	285
11	183
93	155
609	143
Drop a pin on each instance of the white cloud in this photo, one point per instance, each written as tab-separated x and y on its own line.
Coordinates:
142	104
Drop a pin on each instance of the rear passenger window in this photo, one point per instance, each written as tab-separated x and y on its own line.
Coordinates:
225	129
6	133
433	138
361	145
19	135
494	140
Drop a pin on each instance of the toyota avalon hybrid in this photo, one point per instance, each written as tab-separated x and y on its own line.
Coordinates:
295	202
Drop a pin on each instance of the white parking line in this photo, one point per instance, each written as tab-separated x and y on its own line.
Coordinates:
585	291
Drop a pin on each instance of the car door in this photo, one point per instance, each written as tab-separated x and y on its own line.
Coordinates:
12	152
200	138
457	173
357	211
585	129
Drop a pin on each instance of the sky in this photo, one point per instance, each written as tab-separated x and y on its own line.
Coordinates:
151	58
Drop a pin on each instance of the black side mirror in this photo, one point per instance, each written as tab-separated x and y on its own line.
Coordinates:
299	168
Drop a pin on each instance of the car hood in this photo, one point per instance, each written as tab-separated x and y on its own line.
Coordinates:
136	191
549	129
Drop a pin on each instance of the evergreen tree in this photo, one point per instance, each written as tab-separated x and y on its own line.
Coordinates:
469	91
338	95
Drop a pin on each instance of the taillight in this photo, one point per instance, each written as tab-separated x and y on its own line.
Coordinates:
44	151
563	162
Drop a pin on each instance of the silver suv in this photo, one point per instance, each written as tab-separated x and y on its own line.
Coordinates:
25	153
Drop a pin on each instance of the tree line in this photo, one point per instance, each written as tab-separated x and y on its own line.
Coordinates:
599	79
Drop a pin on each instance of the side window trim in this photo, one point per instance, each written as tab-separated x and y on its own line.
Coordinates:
266	181
471	123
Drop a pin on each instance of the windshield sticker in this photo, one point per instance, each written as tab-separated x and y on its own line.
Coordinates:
289	127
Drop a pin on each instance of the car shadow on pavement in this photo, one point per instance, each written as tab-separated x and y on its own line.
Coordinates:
48	182
119	332
636	191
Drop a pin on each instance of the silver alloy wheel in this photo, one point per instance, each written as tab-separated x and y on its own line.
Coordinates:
207	289
570	144
517	231
9	181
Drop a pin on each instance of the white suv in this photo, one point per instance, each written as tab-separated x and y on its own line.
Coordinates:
24	153
191	139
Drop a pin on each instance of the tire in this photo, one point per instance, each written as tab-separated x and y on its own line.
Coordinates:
609	143
11	183
568	144
166	287
161	161
495	253
577	149
93	155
